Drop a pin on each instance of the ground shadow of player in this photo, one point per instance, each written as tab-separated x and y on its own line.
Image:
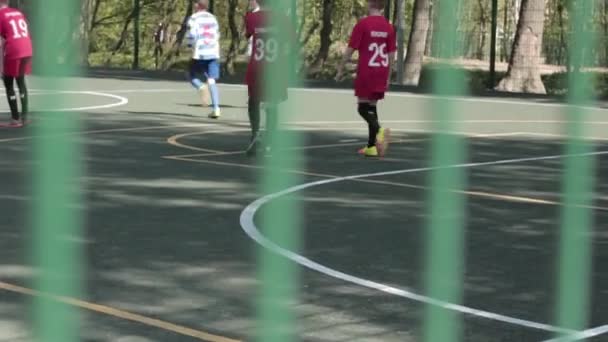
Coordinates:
195	105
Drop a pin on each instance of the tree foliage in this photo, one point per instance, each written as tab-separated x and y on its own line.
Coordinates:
323	27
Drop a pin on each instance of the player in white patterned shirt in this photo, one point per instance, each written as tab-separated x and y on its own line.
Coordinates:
204	39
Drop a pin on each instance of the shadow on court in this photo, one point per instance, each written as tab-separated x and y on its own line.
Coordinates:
162	237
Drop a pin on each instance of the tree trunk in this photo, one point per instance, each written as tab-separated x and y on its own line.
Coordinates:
605	29
302	23
94	14
311	31
174	51
86	14
234	36
326	30
524	66
506	32
400	21
137	12
483	25
123	37
563	47
428	50
396	14
417	42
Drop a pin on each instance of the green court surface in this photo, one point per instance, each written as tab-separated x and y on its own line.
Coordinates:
171	234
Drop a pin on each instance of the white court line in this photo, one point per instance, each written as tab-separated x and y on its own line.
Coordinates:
581	335
249	212
497	121
496	135
554	135
248	225
347	91
120	101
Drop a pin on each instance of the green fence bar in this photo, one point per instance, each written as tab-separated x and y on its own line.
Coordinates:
56	173
578	181
280	220
445	225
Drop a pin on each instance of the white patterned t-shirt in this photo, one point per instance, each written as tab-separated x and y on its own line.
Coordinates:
204	36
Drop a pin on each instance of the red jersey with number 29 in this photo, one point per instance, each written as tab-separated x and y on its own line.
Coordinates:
374	38
15	32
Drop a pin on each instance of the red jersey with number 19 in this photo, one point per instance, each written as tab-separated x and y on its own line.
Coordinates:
374	38
14	30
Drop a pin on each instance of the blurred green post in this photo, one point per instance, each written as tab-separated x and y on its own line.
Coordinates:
578	181
445	223
281	219
56	217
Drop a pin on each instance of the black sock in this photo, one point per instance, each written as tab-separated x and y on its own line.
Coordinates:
254	117
374	126
24	96
368	113
11	97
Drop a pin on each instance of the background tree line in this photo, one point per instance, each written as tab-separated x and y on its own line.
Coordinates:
124	33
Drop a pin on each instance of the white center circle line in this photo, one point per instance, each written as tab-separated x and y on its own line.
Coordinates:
119	100
248	225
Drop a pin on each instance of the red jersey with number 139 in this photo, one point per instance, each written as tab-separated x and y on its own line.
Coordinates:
15	32
374	38
268	51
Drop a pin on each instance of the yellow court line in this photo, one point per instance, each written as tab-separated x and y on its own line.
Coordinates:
174	140
212	153
122	314
489	195
494	196
126	315
109	130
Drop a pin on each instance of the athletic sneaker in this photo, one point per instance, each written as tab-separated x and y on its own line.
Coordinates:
15	123
383	139
205	95
369	151
215	114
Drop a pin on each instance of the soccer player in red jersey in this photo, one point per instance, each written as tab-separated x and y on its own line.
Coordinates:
269	50
375	40
17	59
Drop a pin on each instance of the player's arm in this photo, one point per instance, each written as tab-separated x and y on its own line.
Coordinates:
391	62
219	31
346	58
248	30
353	44
190	33
392	53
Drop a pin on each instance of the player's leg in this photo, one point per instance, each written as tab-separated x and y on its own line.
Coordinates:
213	74
253	109
382	134
196	70
365	108
272	123
12	98
23	93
